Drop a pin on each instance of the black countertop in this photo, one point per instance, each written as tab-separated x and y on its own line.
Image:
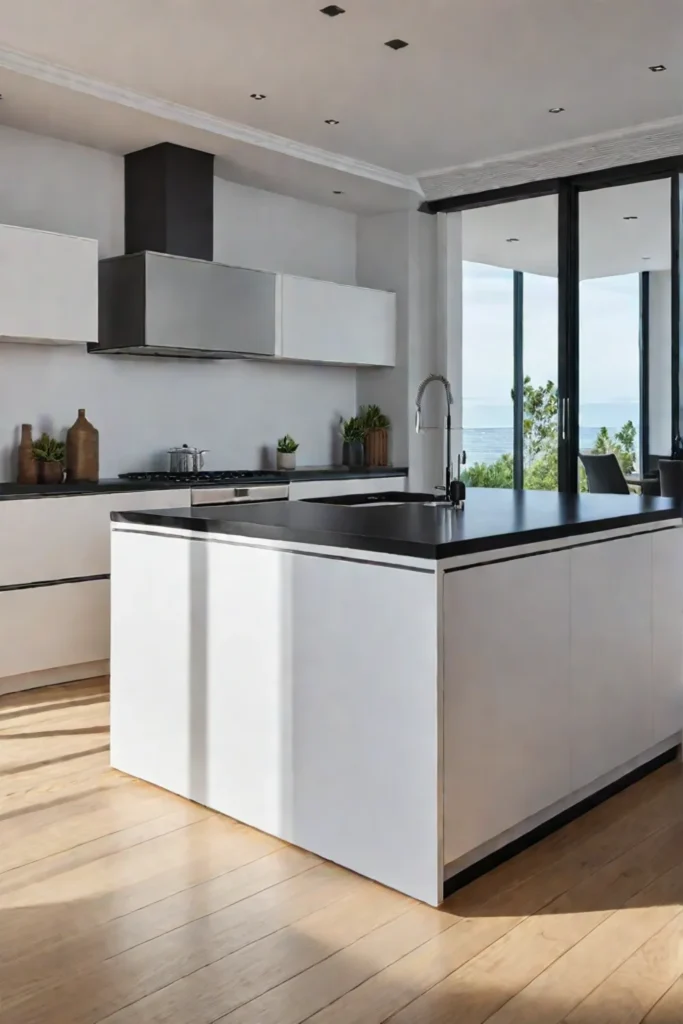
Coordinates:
116	486
491	519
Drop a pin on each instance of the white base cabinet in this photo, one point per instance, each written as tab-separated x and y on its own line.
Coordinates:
48	287
61	538
42	628
51	614
506	696
560	668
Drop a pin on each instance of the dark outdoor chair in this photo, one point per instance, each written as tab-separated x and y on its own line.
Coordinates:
671	478
604	474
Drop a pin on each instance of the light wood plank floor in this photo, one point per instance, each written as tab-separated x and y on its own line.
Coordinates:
123	903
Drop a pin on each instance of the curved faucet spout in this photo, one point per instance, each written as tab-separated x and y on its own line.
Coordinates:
439	377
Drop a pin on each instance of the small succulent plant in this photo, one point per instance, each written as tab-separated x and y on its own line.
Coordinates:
48	449
353	430
287	445
372	418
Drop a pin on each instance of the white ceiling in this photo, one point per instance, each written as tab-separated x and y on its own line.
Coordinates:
608	244
475	83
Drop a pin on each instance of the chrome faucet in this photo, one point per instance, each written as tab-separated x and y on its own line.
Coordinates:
418	422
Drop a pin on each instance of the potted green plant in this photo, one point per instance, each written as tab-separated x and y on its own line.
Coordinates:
353	437
376	425
286	452
49	454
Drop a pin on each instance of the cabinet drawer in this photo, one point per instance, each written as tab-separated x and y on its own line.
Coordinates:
63	538
51	627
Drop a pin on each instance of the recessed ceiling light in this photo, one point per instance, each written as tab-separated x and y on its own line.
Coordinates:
556	110
338	192
657	67
332	10
631	216
331	120
396	44
511	239
258	95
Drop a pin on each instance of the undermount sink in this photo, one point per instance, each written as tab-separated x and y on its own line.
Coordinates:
383	500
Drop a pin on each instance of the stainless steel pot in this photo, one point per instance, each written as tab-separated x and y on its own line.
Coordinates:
186	459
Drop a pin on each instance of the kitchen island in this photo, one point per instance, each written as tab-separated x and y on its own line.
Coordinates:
404	689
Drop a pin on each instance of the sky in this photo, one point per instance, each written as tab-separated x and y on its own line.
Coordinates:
609	324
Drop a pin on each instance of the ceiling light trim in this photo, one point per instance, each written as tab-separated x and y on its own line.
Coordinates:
66	78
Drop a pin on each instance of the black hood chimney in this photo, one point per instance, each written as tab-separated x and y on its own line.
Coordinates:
169	201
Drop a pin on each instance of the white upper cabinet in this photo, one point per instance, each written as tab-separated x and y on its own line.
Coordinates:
48	287
324	322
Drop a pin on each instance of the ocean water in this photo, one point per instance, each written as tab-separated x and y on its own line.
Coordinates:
487	444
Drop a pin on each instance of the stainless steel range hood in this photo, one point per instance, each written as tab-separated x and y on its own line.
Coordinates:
167	297
155	304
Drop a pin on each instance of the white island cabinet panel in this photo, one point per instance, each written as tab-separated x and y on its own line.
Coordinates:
291	700
299	490
325	322
43	628
62	538
506	667
667	633
611	655
48	287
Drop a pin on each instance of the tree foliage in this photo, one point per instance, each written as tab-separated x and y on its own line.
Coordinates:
540	446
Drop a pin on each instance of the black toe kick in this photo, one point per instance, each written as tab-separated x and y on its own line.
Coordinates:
546	828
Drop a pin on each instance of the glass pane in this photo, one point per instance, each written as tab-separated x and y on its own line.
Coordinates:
624	233
498	241
540	372
487	358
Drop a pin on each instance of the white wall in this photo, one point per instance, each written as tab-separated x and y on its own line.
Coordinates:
264	231
143	407
398	251
660	362
57	186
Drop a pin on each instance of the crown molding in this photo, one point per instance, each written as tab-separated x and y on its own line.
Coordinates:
589	153
66	78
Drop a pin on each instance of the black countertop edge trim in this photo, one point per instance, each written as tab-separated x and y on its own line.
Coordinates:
390	546
53	583
282	534
293	551
551	551
118	486
558	821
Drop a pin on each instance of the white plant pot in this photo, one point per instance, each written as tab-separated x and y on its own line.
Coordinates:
286	460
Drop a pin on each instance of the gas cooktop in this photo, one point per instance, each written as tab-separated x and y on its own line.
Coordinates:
213	477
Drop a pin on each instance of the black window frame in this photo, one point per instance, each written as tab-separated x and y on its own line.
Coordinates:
568	190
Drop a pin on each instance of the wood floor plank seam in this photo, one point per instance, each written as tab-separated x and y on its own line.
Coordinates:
224	874
605	980
80	846
225	1017
247	945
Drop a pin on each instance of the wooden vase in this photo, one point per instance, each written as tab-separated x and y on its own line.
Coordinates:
377	447
82	451
27	471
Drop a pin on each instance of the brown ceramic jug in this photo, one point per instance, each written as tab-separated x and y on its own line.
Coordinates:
27	471
82	451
